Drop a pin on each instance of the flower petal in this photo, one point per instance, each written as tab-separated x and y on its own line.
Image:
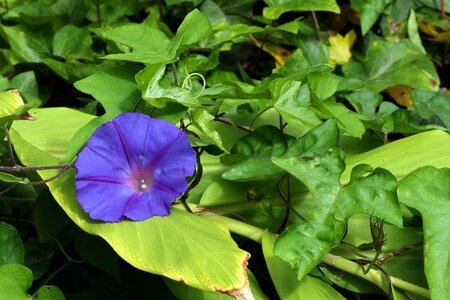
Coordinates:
103	200
154	202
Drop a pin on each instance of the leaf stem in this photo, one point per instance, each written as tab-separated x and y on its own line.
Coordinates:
375	276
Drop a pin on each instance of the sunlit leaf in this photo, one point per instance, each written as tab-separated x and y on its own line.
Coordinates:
428	190
214	264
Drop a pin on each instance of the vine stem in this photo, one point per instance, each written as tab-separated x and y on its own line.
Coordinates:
375	276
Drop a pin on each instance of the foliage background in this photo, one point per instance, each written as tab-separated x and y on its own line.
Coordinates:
285	98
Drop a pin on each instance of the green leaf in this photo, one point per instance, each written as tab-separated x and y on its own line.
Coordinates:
15	281
202	120
370	11
49	292
49	219
152	46
389	63
71	41
148	81
185	292
114	88
254	152
6	177
27	45
212	261
413	31
427	189
27	85
195	27
285	278
424	149
277	7
370	191
149	45
11	247
10	101
429	104
323	84
292	101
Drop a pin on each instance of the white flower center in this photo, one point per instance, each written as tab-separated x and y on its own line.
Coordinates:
145	184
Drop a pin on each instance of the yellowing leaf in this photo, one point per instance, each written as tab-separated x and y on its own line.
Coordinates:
280	54
401	94
340	47
9	102
434	33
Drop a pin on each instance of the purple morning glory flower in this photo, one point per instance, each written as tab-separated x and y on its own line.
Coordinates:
133	166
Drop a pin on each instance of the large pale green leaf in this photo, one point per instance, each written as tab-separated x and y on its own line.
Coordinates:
14	282
11	247
405	155
370	191
277	7
285	278
428	190
182	246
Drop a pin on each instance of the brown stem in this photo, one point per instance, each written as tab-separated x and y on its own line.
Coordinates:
231	123
443	9
174	71
316	24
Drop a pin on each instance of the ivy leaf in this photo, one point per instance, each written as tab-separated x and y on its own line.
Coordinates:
254	152
152	46
71	41
202	121
148	81
370	12
389	63
292	101
427	189
370	191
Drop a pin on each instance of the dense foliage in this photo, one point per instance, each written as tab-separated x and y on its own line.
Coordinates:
320	130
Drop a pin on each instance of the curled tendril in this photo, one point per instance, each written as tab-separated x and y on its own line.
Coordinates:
187	83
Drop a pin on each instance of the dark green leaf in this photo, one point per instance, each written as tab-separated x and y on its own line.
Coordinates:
11	247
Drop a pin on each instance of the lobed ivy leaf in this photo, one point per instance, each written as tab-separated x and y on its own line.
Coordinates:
285	280
427	190
370	12
370	191
202	120
149	45
71	41
389	63
292	101
255	152
148	81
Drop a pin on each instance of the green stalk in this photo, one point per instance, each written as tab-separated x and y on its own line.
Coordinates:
374	276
